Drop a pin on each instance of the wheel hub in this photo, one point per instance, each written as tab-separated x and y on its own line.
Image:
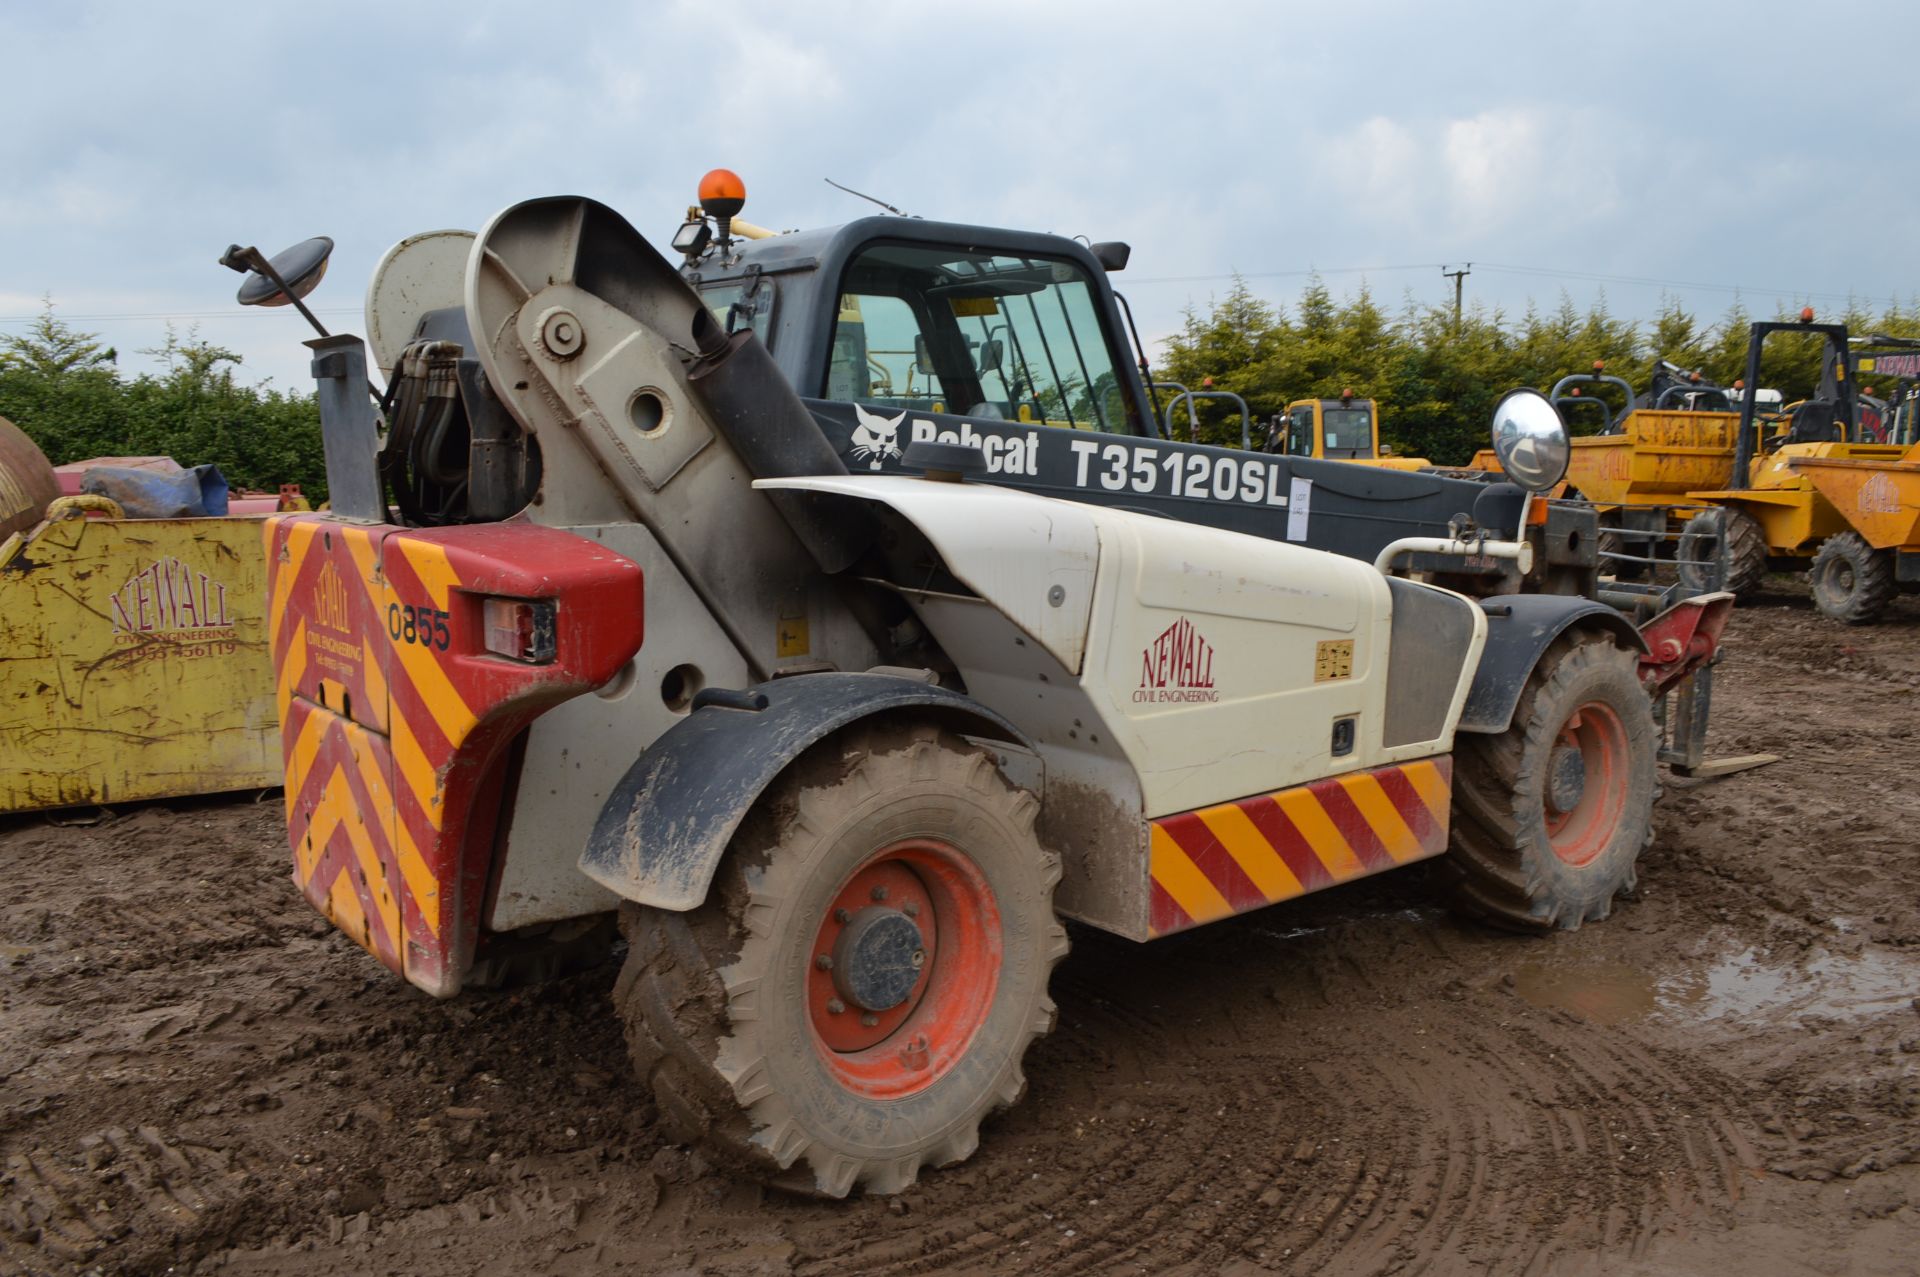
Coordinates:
1566	778
878	958
1586	783
902	971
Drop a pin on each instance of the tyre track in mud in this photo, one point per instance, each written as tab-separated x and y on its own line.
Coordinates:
1323	1118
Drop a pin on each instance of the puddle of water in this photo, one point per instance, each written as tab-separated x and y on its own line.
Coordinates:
1844	986
1606	993
1739	986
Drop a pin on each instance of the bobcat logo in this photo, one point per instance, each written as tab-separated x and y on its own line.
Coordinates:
876	438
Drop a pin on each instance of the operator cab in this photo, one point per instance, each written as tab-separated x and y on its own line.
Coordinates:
1342	429
900	315
897	331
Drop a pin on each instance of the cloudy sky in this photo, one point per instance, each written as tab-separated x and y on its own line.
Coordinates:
1689	148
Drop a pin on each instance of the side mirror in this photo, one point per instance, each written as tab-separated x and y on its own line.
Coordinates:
1530	440
922	353
1112	255
285	278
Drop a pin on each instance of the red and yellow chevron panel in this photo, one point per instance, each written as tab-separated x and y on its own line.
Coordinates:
395	719
1208	864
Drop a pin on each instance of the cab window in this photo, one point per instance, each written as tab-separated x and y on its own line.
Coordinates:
976	334
742	304
1349	431
1300	431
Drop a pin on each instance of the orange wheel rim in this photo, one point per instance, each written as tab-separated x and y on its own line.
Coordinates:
903	969
1586	783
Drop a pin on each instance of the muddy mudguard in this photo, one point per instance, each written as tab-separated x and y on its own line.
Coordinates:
662	832
1520	628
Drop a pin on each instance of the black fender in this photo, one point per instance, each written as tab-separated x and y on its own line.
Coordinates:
1520	628
662	832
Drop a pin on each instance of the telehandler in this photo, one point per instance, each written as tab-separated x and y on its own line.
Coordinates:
842	709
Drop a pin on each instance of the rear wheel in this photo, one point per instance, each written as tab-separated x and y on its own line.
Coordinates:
866	975
1852	581
1551	815
1746	551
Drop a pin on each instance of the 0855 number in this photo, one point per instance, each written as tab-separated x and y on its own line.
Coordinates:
423	625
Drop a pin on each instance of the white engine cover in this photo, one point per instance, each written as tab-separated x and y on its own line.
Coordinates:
1217	663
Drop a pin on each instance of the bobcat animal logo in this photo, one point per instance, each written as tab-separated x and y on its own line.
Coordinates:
876	438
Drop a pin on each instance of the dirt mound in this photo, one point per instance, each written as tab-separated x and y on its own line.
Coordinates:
197	1074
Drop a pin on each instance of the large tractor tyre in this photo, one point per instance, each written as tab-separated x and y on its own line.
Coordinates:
866	974
1852	581
1614	542
1746	553
1550	816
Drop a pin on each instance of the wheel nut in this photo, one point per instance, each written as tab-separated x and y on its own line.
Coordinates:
824	961
835	1006
919	958
841	916
869	1020
911	909
879	893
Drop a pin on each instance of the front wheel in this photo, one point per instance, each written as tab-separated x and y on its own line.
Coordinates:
1852	581
1551	815
866	975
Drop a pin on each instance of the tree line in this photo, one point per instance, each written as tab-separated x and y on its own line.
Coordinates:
1437	381
65	389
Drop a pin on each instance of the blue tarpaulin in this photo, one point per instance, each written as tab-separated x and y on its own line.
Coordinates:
153	494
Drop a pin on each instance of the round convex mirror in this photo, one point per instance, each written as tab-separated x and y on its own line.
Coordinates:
301	266
1531	440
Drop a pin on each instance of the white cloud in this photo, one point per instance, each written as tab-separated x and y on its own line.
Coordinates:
1471	179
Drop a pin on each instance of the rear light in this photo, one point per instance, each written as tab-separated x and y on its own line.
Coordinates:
519	630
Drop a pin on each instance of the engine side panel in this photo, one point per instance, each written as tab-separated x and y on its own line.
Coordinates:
1223	663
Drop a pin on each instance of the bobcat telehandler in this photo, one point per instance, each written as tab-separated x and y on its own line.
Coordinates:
628	614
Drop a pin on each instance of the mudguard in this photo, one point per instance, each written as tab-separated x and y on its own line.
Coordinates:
1520	628
663	830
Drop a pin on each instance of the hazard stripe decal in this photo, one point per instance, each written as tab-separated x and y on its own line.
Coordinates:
395	721
1228	859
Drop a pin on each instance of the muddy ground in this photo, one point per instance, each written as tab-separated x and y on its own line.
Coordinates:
197	1075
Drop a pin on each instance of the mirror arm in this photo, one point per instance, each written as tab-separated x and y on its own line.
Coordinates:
246	259
1519	551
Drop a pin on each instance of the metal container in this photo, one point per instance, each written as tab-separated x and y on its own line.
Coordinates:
1879	499
136	662
1656	459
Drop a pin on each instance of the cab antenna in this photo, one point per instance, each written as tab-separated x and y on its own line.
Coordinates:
868	198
